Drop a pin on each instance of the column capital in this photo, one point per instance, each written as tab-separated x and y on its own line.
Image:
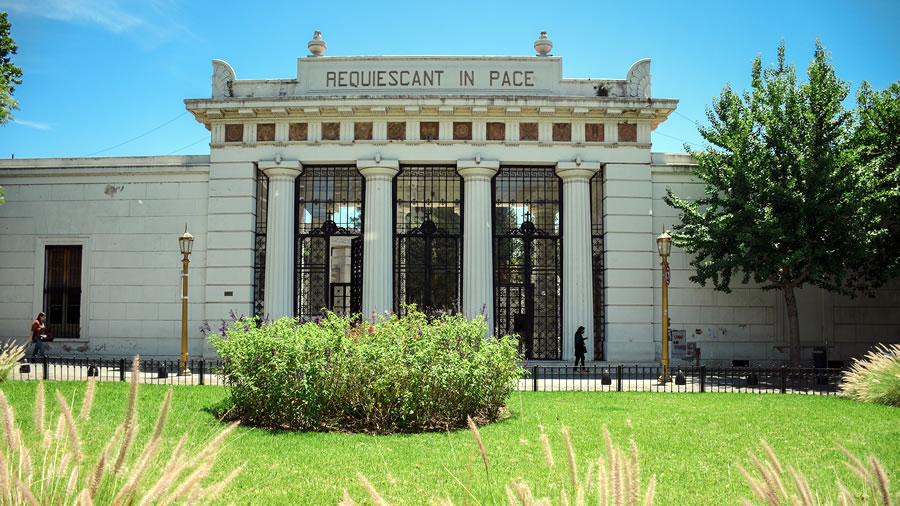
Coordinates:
378	167
577	170
278	169
477	169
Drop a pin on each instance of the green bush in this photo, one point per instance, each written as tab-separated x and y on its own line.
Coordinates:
384	375
876	377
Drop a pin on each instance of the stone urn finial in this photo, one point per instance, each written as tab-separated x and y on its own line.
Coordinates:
543	45
317	46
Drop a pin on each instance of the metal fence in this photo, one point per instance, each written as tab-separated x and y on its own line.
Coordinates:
540	378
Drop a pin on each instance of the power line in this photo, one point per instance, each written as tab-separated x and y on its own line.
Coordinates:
685	117
189	145
677	139
139	136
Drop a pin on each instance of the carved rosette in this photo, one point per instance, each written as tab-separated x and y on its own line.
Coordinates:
562	132
298	132
462	130
528	131
627	132
362	130
265	132
234	133
396	131
593	132
429	130
331	131
496	131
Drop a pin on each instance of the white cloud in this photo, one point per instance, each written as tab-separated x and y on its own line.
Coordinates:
107	13
31	124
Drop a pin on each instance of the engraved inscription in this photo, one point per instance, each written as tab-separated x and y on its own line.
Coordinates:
331	131
428	130
593	132
462	130
562	132
396	130
627	132
528	131
362	131
234	133
297	132
496	131
265	132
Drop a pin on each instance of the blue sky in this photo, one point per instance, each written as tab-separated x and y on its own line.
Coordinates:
99	73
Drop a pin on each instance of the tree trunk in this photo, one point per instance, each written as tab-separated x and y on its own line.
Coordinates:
790	301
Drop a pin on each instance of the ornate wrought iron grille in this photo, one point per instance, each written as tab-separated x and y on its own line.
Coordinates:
597	267
428	238
259	241
329	217
62	290
528	259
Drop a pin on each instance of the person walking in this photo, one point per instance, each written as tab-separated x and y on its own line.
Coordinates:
580	348
38	331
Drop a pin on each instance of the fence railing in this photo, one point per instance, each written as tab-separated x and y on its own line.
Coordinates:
540	378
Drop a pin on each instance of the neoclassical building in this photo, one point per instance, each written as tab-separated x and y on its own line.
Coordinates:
484	185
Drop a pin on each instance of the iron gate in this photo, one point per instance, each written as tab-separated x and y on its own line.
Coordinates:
597	270
329	217
428	239
259	252
528	259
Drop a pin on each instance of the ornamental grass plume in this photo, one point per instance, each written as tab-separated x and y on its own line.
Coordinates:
60	473
876	377
772	485
10	355
610	479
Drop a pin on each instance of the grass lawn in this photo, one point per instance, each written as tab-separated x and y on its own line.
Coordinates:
690	441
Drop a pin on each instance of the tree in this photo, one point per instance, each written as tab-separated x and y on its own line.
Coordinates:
10	75
786	202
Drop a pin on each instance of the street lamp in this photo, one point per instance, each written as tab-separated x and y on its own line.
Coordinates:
186	242
664	245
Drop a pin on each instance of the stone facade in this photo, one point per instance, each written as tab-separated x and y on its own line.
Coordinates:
380	116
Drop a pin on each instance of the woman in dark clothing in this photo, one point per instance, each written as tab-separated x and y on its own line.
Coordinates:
580	348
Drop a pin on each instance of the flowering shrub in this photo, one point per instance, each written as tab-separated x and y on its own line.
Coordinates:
385	374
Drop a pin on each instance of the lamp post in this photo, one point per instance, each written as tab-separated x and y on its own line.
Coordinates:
186	242
664	245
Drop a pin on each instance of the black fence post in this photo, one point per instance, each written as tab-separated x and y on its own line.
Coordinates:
534	372
783	379
702	378
46	363
619	377
121	369
201	370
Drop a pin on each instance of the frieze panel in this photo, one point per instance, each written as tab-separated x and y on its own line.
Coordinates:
234	133
528	131
331	131
362	130
496	131
265	132
462	130
593	132
562	132
429	130
298	132
627	132
396	130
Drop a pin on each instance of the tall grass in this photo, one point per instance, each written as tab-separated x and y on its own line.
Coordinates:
56	471
10	355
876	377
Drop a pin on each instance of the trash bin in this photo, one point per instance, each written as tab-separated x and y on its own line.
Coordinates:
819	360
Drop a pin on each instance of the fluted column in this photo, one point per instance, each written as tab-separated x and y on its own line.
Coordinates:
378	236
578	305
478	269
280	237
